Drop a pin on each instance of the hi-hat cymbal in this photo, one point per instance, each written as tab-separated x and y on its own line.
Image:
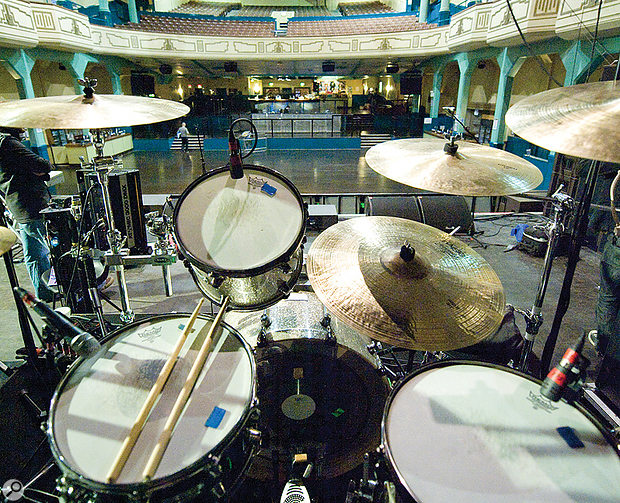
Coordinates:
474	170
582	120
7	240
78	112
445	297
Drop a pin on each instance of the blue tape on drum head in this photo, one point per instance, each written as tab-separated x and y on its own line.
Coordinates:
215	418
270	190
570	437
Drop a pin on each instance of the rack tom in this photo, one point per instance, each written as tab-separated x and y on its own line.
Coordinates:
242	238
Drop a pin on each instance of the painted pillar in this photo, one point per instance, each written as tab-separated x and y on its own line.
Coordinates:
509	65
444	12
19	64
466	68
77	66
114	67
437	78
423	11
104	12
133	11
577	62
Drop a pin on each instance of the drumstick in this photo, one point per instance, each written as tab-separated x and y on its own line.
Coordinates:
179	405
138	425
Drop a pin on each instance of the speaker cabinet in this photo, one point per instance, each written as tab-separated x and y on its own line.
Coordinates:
411	83
443	212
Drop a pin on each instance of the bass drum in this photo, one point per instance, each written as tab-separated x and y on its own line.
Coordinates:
478	433
242	238
98	400
318	396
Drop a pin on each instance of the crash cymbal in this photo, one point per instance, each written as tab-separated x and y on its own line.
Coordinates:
78	112
582	120
7	240
474	170
441	296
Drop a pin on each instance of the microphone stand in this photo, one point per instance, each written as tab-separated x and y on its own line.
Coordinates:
576	239
562	204
202	154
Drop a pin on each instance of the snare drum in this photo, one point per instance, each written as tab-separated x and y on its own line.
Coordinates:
98	400
242	238
479	433
318	396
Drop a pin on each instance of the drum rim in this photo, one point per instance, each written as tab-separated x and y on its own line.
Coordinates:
281	295
237	273
168	480
392	467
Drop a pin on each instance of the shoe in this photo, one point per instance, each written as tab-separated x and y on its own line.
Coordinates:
593	338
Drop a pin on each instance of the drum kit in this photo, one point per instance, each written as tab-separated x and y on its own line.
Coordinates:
182	407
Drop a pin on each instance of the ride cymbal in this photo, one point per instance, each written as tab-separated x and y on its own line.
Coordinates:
79	112
7	240
582	120
436	294
473	170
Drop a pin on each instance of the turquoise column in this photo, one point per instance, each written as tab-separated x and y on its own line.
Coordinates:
423	11
466	68
77	66
104	12
509	65
578	64
437	78
114	66
19	64
444	12
133	11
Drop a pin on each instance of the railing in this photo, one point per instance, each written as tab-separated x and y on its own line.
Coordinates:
332	125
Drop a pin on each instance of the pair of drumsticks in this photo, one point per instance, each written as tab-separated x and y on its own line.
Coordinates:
179	405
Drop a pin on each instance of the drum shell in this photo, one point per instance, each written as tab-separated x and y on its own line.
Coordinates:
405	494
255	292
198	477
296	338
277	276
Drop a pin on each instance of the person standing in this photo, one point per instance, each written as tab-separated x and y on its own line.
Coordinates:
22	181
183	133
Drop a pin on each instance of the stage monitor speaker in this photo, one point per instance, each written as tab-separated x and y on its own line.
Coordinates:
142	84
127	209
411	83
440	211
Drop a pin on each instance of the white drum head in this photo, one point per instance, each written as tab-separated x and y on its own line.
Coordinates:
236	225
473	434
93	412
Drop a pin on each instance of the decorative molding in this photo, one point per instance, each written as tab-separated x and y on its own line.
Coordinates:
74	27
120	42
339	46
313	47
221	46
43	20
11	14
245	48
279	47
431	40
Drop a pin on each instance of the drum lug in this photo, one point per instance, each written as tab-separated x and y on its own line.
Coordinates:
215	280
218	491
254	436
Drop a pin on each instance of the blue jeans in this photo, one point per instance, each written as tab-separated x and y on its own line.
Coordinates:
36	256
607	308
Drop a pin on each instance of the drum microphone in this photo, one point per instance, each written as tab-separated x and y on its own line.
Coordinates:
236	161
83	343
564	373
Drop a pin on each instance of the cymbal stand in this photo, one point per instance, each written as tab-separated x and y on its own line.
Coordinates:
562	206
115	240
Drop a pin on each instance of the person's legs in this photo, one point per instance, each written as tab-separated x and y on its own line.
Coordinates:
185	143
36	256
608	303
